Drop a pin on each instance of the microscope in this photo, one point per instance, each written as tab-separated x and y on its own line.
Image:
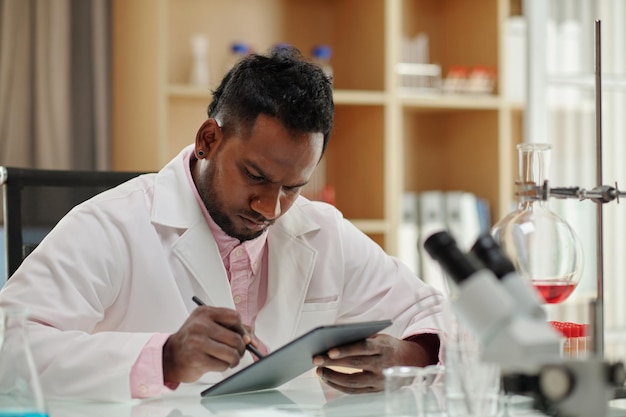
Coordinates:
505	313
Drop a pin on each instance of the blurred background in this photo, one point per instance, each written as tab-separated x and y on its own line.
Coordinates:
432	98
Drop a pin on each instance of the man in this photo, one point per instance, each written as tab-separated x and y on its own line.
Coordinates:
110	288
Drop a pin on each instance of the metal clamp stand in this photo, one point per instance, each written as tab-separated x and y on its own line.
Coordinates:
600	194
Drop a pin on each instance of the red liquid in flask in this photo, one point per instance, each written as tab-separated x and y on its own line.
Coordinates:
554	292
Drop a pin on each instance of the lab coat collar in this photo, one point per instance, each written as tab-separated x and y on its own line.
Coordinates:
174	204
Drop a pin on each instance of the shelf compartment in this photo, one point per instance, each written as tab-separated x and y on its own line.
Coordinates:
184	118
354	161
303	23
452	150
460	32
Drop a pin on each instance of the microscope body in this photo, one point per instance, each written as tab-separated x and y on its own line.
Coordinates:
511	327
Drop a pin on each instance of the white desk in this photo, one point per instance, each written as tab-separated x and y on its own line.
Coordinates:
305	393
303	396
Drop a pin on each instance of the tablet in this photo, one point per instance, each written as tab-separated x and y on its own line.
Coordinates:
294	358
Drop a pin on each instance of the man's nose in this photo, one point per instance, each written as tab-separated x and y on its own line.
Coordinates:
267	204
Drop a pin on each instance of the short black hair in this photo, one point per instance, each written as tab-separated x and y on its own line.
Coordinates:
281	84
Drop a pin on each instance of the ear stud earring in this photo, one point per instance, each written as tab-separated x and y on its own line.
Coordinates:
200	154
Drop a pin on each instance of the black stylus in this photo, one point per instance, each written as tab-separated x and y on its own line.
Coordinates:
249	346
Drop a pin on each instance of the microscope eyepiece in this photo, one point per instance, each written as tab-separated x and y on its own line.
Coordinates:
442	247
487	250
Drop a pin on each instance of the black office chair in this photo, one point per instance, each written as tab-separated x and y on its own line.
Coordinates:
36	199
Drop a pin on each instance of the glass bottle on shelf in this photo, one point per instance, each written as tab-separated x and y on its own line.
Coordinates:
238	50
543	247
321	56
199	76
20	390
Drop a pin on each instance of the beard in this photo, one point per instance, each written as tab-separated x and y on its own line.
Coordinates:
214	203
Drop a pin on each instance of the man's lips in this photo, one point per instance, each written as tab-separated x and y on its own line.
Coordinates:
253	224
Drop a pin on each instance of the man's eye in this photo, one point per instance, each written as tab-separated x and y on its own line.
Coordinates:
293	189
253	177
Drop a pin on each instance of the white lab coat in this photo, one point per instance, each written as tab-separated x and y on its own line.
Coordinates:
126	263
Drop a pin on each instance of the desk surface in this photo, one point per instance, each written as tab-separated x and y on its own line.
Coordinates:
304	396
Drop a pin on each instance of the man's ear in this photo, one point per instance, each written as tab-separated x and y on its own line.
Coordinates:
208	139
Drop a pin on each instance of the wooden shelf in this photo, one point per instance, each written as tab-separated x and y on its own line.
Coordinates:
449	102
360	97
385	141
372	226
353	97
188	91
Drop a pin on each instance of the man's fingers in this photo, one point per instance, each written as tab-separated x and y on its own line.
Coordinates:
224	316
211	339
366	363
218	342
352	383
360	348
360	355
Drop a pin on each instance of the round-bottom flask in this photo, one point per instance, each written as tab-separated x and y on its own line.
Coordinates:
542	246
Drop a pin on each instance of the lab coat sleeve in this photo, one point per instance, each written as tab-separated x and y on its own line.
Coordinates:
379	286
67	284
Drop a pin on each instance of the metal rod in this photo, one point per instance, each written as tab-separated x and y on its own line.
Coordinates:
598	315
601	194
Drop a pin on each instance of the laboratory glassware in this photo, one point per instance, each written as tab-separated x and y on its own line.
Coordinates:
543	247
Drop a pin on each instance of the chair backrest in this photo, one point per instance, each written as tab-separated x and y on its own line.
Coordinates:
36	199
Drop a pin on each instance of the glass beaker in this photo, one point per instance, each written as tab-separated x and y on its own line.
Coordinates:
20	390
543	247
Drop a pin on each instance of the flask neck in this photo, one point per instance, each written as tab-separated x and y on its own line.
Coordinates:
534	162
534	167
528	203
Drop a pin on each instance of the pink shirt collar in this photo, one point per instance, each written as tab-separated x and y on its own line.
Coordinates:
225	243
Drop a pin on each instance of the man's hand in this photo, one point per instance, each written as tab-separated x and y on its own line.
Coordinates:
211	339
369	357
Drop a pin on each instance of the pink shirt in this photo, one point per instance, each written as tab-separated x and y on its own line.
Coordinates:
246	267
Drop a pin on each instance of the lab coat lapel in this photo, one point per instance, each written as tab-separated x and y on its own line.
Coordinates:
174	205
290	267
198	251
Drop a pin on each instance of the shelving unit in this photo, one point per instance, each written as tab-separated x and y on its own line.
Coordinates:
385	142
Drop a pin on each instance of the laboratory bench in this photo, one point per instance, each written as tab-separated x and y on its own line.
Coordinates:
303	396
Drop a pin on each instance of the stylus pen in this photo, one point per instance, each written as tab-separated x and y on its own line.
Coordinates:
249	346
